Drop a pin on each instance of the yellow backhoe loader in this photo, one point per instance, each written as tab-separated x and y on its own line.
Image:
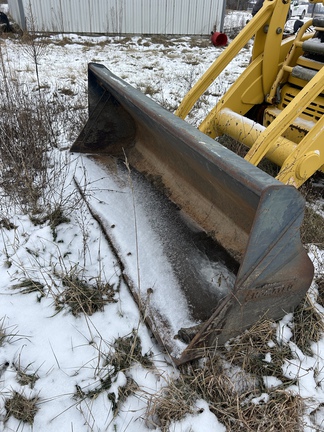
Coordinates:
230	231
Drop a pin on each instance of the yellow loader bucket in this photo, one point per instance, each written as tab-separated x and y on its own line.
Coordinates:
219	210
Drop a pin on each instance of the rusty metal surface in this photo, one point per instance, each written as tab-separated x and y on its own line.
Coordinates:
254	217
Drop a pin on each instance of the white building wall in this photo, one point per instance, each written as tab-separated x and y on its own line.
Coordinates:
190	17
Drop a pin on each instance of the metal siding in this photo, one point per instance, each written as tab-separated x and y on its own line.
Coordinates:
177	12
15	12
128	22
192	15
130	15
112	13
201	12
121	16
167	18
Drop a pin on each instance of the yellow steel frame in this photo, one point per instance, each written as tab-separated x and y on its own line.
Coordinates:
257	85
267	24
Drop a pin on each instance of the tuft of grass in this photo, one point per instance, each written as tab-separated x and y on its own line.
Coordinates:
22	408
2	333
125	40
172	403
320	286
128	350
200	41
81	297
312	230
250	349
125	351
66	91
308	325
129	389
231	382
28	286
150	90
240	401
241	405
280	413
104	384
6	224
55	217
7	334
26	379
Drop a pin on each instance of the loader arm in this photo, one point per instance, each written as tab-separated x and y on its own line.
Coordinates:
269	20
270	107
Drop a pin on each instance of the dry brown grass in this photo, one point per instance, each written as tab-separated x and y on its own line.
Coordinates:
231	381
312	231
2	333
125	352
249	350
241	408
22	408
8	334
320	287
34	172
308	325
80	297
172	403
129	389
28	286
26	379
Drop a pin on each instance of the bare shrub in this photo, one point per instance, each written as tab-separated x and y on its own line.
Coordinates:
34	171
23	141
34	48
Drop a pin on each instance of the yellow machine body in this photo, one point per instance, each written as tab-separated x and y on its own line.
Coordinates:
275	107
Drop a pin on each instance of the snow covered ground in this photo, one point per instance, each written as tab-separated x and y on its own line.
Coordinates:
65	358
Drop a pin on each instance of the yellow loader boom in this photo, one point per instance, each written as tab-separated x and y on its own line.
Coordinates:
275	107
